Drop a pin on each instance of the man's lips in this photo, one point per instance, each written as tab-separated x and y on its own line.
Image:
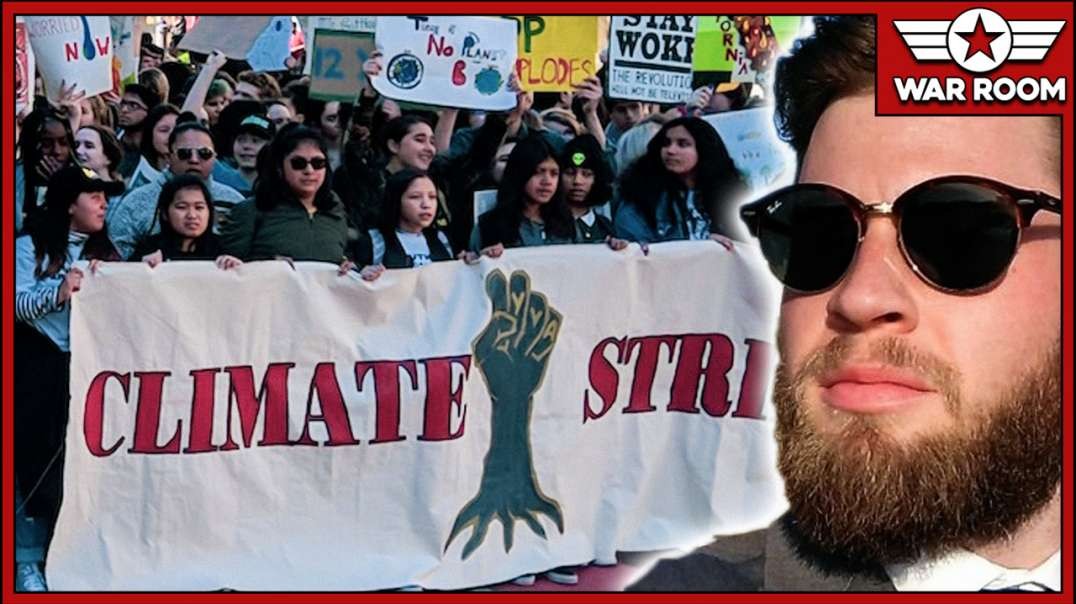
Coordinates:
872	388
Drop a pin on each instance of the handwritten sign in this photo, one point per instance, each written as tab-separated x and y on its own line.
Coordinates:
126	39
24	68
354	23
336	64
448	61
746	47
650	57
749	137
263	42
72	50
556	53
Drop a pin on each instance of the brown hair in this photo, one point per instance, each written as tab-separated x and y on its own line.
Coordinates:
266	84
836	61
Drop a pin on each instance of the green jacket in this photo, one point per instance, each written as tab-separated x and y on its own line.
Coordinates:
286	230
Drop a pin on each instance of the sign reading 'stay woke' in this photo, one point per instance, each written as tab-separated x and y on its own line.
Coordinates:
552	407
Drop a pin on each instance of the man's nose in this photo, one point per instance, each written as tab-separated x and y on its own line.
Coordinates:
877	291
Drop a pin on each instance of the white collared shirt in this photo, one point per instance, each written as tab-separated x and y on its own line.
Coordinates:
964	571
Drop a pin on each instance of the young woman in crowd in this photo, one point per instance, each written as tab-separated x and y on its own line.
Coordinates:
406	237
153	148
45	146
587	183
530	206
185	213
71	227
667	194
98	149
294	213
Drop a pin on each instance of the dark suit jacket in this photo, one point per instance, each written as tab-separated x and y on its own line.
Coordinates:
758	561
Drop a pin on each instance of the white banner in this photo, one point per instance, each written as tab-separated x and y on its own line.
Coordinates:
72	50
271	428
447	61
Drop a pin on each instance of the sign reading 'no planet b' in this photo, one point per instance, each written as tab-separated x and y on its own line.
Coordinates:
650	57
448	61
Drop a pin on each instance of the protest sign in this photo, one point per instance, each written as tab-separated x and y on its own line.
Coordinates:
126	40
447	61
353	23
72	50
336	71
551	407
263	42
24	68
749	137
556	53
484	201
744	47
650	58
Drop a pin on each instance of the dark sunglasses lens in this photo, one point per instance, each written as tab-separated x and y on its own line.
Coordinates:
809	238
205	154
184	154
961	236
300	163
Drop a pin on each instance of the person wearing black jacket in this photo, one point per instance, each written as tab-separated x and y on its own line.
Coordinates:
185	212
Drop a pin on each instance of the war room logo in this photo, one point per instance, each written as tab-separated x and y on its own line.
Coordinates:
980	41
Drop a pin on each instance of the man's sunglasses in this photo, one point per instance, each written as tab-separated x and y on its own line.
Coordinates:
300	163
204	153
958	233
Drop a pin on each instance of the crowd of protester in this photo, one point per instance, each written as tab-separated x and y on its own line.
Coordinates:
221	163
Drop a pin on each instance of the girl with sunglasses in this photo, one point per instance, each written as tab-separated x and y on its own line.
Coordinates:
685	187
407	237
185	212
70	227
294	213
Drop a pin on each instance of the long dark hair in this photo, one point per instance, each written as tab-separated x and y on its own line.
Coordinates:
155	115
717	181
170	239
270	188
110	146
512	198
52	226
29	150
396	129
395	187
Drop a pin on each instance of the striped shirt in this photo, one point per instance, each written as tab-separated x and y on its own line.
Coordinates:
36	298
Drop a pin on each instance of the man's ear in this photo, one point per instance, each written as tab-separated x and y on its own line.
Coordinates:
393	146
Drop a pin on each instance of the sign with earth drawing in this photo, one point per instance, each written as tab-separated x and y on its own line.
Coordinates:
448	61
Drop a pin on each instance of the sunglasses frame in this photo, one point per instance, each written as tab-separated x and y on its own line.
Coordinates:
308	162
195	151
1023	204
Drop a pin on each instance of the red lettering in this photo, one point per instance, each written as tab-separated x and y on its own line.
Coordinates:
604	379
71	51
202	403
442	399
760	358
148	415
333	410
458	78
103	48
690	369
645	367
437	46
387	395
93	423
273	392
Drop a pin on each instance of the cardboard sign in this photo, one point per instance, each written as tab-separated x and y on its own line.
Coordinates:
556	53
745	47
484	201
24	68
263	42
336	65
650	58
72	50
126	40
448	61
765	162
353	23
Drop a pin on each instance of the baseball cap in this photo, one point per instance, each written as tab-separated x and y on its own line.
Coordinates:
258	126
68	182
582	151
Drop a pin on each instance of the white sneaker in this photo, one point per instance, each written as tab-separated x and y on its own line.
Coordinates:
524	580
28	577
564	575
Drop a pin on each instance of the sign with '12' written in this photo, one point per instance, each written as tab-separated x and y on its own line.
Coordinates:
447	61
336	68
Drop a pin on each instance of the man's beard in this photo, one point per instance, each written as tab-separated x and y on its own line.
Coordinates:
859	499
